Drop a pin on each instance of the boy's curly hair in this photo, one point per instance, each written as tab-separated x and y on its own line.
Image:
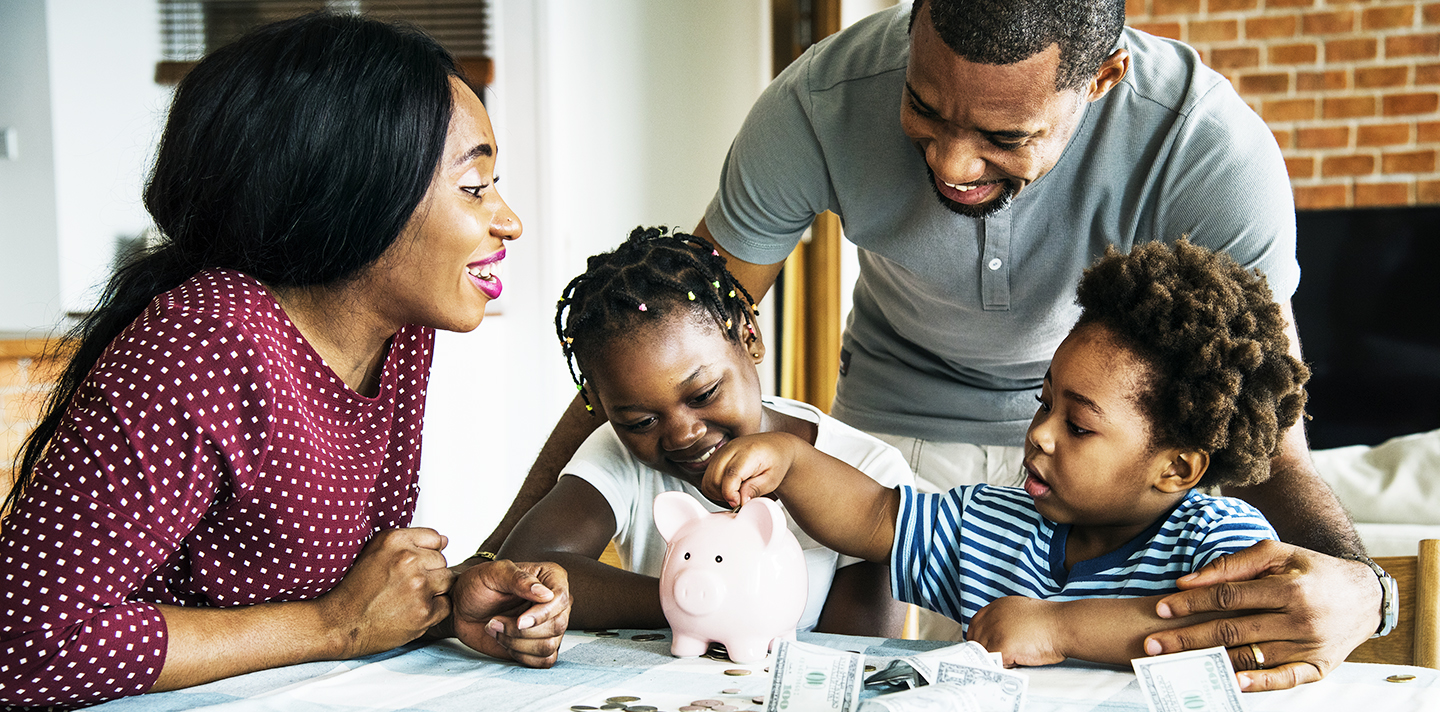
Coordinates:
1222	378
646	279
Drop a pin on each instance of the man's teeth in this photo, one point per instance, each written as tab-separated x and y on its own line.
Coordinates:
481	271
962	188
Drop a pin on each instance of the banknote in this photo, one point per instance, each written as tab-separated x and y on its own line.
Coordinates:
1199	680
968	653
931	698
995	689
811	678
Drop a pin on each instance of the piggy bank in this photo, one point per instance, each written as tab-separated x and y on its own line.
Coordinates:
736	578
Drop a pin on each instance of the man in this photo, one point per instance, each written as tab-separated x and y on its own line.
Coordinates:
981	154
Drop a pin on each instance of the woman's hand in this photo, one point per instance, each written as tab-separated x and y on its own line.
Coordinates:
393	593
1305	611
515	611
1025	631
749	467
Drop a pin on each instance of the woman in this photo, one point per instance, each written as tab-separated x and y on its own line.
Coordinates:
223	478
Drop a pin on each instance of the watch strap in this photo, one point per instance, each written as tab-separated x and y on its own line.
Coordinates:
1390	598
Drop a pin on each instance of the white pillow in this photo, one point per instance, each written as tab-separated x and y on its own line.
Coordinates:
1396	482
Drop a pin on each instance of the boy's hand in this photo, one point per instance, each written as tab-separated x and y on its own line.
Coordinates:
750	466
1025	631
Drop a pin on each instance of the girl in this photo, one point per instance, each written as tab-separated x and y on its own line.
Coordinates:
1176	376
661	340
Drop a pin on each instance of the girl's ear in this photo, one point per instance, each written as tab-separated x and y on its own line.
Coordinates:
754	344
1183	471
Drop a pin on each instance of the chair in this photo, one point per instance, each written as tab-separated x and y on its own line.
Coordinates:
1416	638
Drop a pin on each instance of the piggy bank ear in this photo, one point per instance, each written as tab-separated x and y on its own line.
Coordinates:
673	510
765	515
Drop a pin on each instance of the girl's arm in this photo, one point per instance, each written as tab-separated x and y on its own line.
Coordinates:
860	603
834	502
1026	631
571	526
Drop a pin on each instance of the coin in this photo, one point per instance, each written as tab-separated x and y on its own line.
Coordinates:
693	708
730	691
758	699
737	672
724	708
648	636
1400	678
581	708
622	699
707	704
642	708
869	668
607	634
612	706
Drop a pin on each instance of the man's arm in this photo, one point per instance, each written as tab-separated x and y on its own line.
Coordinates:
576	423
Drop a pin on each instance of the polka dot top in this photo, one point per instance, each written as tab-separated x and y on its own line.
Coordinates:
210	459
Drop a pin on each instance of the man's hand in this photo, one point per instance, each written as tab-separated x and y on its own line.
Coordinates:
514	611
1306	612
1023	630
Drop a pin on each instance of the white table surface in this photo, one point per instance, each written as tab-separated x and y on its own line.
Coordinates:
445	676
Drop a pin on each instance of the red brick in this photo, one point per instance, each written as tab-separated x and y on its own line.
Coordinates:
1351	50
1289	3
1348	107
1294	54
1175	7
1300	167
1408	162
1160	29
1381	194
1427	132
1288	110
1323	137
1385	18
1258	28
1232	5
1427	74
1214	30
1427	192
1264	83
1354	165
1412	45
1383	135
1431	13
1328	23
1283	138
1320	197
1134	8
1403	104
1235	57
1322	81
1381	76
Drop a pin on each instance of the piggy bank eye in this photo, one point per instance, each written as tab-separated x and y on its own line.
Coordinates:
718	559
687	556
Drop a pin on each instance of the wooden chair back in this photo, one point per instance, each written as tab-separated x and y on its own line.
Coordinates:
1416	638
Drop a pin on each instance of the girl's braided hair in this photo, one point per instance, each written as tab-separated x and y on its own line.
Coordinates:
1222	378
653	275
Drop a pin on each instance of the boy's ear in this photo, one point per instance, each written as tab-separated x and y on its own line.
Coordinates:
1183	471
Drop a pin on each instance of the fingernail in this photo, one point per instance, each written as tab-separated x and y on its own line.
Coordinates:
1152	646
1163	610
495	627
526	622
1244	681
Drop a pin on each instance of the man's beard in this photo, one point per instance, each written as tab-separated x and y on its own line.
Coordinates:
983	210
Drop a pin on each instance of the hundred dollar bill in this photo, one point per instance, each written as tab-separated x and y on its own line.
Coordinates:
811	678
1200	680
995	689
968	653
931	698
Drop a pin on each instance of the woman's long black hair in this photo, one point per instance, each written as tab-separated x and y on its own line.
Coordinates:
296	155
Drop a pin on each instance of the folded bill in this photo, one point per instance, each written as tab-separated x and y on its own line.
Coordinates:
1192	680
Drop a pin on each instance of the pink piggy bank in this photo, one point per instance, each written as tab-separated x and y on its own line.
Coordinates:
734	578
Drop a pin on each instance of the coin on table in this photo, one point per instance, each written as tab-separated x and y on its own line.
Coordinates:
758	699
693	708
730	691
869	668
707	704
1400	678
737	672
642	708
613	706
622	699
582	708
724	708
607	634
648	636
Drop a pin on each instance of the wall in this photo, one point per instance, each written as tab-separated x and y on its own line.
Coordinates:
1351	88
29	274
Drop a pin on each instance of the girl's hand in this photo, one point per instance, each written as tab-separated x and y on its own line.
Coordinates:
748	467
515	611
1025	631
392	594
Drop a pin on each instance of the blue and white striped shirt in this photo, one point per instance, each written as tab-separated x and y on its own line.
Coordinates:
957	551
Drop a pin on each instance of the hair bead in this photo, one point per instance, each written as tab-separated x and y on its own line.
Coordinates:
642	307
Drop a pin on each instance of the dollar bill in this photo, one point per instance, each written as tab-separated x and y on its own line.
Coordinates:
811	678
1198	680
931	698
995	689
967	653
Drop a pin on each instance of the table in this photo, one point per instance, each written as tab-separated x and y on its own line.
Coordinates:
445	676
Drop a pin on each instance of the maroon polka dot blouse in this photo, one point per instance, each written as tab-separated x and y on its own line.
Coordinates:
210	459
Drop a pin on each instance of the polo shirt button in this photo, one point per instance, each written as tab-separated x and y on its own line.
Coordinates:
995	264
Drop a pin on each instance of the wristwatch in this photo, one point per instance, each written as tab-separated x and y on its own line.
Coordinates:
1390	598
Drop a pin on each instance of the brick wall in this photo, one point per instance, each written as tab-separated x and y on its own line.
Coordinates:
1351	88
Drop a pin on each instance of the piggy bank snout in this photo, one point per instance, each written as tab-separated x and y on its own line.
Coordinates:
699	592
